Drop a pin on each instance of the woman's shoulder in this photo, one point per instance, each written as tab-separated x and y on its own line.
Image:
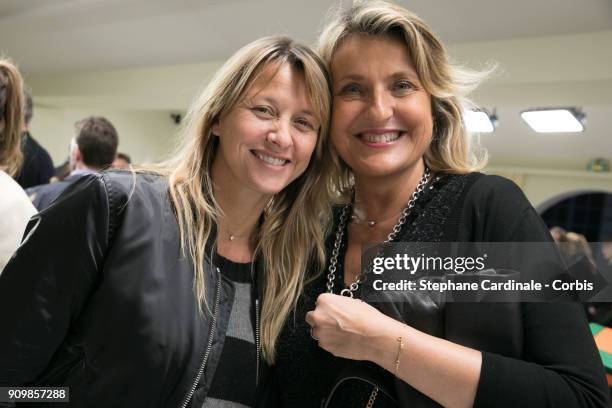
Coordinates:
113	191
130	182
496	209
14	199
492	191
119	186
15	211
493	184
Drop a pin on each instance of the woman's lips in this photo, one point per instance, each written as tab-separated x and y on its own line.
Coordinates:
379	138
268	159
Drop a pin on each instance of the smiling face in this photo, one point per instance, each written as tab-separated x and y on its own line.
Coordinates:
381	118
267	139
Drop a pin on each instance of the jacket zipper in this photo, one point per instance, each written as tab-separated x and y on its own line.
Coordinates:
208	345
257	341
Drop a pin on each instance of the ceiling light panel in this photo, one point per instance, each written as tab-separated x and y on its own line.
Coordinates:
567	120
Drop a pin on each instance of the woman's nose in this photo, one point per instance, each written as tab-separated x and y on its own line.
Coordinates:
280	136
380	106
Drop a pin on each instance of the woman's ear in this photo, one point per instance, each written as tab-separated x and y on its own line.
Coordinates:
216	128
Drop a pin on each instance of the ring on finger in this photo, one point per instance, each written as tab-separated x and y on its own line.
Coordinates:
312	335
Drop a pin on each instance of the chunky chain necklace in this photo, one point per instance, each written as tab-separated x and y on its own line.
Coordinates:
333	262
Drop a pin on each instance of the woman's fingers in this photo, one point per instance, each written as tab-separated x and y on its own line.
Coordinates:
343	325
310	318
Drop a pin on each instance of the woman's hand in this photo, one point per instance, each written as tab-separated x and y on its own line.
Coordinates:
348	328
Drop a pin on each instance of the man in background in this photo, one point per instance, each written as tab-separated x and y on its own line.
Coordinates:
123	161
603	300
37	167
93	149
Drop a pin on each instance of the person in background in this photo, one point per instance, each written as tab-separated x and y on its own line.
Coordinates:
37	167
578	257
122	161
15	207
601	301
574	246
93	149
62	171
557	233
606	251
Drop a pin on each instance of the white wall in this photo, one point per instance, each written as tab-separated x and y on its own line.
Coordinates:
137	101
146	135
540	185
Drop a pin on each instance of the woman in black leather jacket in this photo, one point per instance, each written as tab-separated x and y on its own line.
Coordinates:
407	175
153	288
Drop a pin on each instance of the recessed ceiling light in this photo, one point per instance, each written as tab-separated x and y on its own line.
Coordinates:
554	120
479	121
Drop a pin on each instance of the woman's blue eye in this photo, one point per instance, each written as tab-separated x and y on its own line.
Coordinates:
350	89
404	86
305	123
263	109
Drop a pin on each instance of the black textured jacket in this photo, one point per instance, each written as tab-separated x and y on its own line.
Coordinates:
37	167
533	354
100	299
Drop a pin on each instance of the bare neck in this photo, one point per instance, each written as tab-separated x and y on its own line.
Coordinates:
241	209
237	227
381	197
79	165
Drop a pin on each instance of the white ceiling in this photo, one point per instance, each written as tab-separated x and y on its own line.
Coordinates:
74	35
51	38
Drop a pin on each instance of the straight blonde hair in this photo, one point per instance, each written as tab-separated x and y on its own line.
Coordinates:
450	150
292	232
11	117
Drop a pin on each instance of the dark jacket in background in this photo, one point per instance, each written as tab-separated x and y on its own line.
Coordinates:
37	165
44	195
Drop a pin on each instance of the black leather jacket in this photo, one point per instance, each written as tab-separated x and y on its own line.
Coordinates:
99	298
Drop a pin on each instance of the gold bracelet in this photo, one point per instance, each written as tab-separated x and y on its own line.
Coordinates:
399	352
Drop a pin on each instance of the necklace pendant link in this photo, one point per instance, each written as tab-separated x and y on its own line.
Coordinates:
346	292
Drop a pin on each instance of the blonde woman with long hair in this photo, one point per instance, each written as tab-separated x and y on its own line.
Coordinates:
168	287
406	173
15	207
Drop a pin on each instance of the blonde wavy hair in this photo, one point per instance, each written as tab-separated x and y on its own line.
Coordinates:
450	150
11	117
292	232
